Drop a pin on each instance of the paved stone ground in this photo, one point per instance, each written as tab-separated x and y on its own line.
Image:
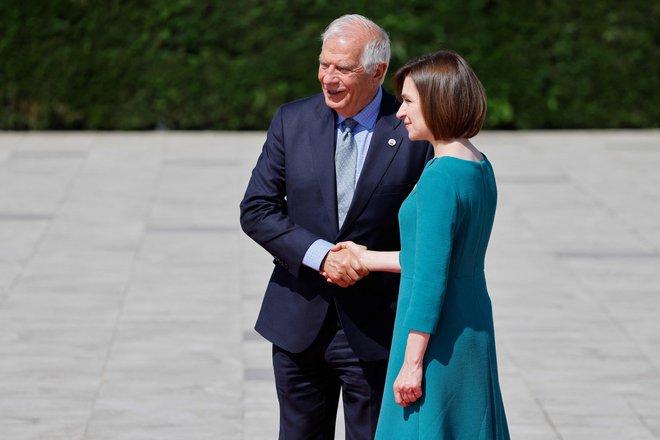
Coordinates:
128	292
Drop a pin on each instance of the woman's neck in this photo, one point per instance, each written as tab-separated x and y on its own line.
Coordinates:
460	148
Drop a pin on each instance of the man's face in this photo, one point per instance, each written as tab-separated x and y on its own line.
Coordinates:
346	86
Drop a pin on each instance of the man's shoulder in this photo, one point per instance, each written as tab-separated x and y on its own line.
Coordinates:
388	104
305	104
301	114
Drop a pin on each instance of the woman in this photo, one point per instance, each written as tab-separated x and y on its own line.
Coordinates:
442	380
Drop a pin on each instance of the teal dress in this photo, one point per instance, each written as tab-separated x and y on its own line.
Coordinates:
445	226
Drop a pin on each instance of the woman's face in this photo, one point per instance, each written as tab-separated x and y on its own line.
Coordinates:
410	113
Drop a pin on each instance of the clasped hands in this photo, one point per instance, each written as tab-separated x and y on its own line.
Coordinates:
343	265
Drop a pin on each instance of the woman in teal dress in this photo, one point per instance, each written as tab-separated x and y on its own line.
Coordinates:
442	380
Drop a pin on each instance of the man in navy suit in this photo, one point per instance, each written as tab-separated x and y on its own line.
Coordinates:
333	336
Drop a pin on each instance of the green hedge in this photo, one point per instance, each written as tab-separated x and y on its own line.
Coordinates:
184	64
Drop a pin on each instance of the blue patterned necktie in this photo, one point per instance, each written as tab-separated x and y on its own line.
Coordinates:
345	165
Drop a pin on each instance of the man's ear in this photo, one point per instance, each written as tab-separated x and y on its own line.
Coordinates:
380	71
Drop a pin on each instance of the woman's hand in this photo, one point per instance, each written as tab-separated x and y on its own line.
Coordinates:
364	259
357	249
408	384
357	264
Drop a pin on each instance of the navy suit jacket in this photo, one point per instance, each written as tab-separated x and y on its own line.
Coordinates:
291	201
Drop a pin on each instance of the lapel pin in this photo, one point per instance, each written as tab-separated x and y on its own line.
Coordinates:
391	142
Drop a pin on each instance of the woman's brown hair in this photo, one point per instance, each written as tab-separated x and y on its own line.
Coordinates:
453	101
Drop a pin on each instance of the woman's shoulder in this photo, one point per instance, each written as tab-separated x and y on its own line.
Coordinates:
456	166
454	172
444	167
439	175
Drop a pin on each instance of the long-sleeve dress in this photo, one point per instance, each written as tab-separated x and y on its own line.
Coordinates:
445	226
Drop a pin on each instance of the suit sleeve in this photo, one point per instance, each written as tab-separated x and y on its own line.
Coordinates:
437	211
263	209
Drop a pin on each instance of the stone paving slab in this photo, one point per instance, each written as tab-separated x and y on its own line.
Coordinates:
128	292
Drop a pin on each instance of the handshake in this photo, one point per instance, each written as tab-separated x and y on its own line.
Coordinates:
344	265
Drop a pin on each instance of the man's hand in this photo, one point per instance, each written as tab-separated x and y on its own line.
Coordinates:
343	267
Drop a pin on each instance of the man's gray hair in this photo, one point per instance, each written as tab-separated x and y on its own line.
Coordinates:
377	49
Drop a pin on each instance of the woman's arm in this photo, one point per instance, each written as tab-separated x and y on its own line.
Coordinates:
375	261
381	261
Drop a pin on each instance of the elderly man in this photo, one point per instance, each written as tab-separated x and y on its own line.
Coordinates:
335	166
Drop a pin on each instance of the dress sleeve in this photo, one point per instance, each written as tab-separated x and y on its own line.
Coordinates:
437	213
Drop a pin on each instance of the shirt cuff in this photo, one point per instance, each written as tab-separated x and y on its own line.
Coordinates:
316	253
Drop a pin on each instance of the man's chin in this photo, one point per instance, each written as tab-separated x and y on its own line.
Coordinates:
334	97
334	104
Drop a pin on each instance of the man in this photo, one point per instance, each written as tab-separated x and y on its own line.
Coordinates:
335	166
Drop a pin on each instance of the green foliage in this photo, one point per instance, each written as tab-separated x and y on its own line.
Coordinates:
185	64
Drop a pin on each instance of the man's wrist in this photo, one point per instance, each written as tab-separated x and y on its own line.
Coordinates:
322	265
316	254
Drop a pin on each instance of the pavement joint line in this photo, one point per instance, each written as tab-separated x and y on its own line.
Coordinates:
44	231
191	229
120	311
48	154
201	163
25	216
608	255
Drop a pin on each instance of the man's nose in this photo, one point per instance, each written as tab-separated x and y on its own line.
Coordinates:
331	75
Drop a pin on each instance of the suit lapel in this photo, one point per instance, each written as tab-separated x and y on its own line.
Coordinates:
380	155
322	142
